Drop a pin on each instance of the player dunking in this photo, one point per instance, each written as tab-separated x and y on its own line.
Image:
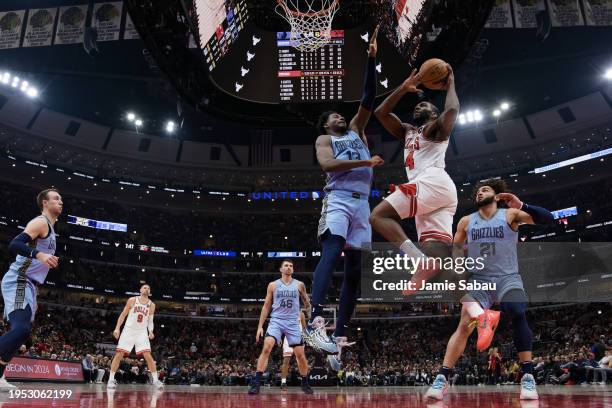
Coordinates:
283	298
342	152
34	249
137	332
287	353
430	195
492	234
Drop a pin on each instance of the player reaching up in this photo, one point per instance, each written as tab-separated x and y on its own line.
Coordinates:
492	235
342	151
137	333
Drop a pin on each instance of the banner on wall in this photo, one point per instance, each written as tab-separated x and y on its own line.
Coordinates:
598	12
71	25
10	28
565	13
525	12
39	369
501	15
107	20
39	31
130	32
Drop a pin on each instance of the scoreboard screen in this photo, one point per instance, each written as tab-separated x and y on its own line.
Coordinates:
310	76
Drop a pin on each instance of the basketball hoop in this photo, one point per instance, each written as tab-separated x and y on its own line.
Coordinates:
310	28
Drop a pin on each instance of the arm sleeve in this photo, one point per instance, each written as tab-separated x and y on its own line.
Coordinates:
150	325
19	246
540	215
369	86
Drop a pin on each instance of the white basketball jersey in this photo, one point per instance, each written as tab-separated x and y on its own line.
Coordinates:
138	317
421	154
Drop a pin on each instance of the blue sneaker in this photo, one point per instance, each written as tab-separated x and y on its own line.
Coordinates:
528	388
315	336
438	388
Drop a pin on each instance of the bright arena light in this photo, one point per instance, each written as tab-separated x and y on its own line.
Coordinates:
496	112
477	115
32	92
608	74
138	122
131	116
6	77
462	119
505	106
470	116
170	126
15	82
24	86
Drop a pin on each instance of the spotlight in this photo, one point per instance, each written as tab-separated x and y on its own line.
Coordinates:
32	92
6	77
170	126
24	86
608	74
131	116
477	115
496	112
470	116
504	106
138	122
462	119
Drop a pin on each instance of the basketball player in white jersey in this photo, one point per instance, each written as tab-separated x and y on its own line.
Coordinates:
34	251
137	332
430	195
288	353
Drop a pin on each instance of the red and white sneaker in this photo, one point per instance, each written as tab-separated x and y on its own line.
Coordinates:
486	324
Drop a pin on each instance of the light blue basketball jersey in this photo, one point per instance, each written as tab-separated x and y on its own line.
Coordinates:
357	180
494	241
33	269
286	301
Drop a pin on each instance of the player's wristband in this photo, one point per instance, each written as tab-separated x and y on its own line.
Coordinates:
19	246
540	215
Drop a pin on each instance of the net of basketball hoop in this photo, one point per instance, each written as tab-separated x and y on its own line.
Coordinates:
310	21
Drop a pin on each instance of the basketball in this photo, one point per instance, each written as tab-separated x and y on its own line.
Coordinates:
433	73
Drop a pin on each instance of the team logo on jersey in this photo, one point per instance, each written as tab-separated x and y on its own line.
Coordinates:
141	309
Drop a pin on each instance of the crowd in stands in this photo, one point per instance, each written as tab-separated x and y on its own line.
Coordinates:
572	344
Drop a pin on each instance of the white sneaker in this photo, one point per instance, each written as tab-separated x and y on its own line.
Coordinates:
158	384
438	388
528	388
111	384
5	385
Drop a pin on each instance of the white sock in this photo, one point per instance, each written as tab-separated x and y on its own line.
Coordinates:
283	380
154	375
473	309
411	250
111	376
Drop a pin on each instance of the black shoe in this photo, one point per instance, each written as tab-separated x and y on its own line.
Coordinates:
283	386
254	389
306	388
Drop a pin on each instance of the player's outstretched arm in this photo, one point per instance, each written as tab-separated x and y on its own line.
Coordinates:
384	112
443	126
20	244
360	120
128	305
328	162
523	213
265	311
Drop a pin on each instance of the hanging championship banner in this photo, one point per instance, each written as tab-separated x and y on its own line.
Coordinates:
130	32
71	25
598	12
10	28
565	13
107	20
501	15
39	30
525	12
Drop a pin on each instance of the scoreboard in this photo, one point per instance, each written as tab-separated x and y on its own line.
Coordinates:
310	76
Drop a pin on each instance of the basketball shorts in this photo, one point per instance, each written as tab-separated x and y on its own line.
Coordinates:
432	200
503	285
291	330
347	215
130	339
18	292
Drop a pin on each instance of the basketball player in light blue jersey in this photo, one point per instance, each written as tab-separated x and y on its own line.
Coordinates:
283	299
34	249
492	235
342	151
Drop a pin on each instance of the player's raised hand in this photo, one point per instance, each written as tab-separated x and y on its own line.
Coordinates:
375	161
151	336
47	259
116	334
511	200
373	48
259	334
450	79
414	80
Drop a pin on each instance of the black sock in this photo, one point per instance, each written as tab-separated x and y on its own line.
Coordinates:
258	375
2	368
445	371
305	379
527	367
